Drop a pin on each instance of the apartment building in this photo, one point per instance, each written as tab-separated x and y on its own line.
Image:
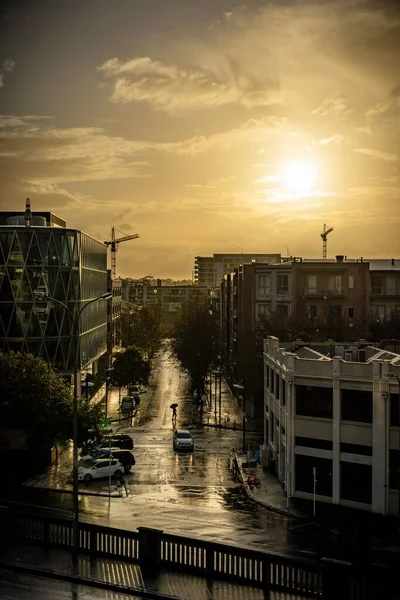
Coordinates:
169	297
384	287
332	423
209	270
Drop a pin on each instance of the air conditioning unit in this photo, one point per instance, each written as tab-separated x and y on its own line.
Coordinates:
348	356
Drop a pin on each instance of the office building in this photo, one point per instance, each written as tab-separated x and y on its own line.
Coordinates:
39	253
331	414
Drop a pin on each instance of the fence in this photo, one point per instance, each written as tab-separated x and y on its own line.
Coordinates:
152	549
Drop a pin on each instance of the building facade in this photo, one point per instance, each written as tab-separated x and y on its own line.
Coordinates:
209	270
41	254
170	298
114	310
331	415
384	285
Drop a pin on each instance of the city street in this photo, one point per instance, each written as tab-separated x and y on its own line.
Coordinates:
188	494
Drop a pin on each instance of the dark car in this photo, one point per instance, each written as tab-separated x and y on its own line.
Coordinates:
117	440
125	457
127	404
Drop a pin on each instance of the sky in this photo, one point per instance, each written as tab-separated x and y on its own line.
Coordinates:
205	126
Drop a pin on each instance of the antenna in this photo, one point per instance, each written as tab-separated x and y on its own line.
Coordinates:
324	236
28	214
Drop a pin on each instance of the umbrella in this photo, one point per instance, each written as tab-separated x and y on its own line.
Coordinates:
175	405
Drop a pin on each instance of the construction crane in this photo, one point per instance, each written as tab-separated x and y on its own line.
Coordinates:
324	236
113	243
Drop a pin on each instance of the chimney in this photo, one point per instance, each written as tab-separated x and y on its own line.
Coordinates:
339	258
28	214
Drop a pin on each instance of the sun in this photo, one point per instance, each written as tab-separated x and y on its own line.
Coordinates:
298	176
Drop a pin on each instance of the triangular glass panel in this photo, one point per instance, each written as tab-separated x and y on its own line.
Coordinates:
42	238
15	275
52	321
59	292
15	257
15	329
2	327
6	315
35	326
34	256
65	274
74	285
53	253
34	275
3	273
6	289
5	244
75	257
24	290
51	346
52	274
65	253
23	312
24	238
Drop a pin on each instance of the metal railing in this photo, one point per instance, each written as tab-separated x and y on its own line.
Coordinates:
153	549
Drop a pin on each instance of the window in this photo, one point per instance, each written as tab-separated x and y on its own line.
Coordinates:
267	377
282	310
282	284
378	285
263	310
314	402
351	282
306	442
335	284
264	285
394	410
312	312
356	406
379	312
311	284
335	311
356	482
356	449
283	399
304	475
351	312
394	469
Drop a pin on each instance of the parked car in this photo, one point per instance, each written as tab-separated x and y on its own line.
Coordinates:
117	440
183	440
99	469
127	404
94	452
125	457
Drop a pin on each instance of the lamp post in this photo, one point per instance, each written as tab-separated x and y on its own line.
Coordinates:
239	386
41	296
218	374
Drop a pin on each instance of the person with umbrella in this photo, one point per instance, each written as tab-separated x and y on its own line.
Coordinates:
174	412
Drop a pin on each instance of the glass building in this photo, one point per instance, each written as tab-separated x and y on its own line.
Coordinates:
41	254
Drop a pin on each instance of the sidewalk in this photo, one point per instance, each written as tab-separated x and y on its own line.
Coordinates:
269	493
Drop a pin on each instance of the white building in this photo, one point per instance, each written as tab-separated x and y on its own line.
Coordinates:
334	409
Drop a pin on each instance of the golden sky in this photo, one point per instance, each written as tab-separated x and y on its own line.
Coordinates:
205	126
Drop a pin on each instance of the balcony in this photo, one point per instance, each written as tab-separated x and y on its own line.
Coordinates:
378	290
324	292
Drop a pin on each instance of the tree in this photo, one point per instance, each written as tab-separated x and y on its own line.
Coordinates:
195	340
34	398
130	368
144	328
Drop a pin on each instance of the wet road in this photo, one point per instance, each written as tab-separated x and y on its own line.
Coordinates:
187	494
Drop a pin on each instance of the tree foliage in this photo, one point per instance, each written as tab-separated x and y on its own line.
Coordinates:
34	397
144	328
130	368
195	340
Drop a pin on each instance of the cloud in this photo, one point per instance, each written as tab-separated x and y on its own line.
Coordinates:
334	139
335	107
6	67
377	154
173	89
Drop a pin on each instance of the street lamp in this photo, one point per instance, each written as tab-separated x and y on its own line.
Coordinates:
239	386
41	296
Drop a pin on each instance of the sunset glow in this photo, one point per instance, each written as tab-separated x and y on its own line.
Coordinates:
298	177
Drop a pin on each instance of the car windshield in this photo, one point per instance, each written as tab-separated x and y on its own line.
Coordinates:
184	434
86	464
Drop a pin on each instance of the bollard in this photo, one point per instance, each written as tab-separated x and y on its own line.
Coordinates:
149	548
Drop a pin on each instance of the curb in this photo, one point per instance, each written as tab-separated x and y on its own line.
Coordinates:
249	493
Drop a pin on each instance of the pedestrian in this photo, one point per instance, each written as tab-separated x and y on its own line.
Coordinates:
174	413
204	400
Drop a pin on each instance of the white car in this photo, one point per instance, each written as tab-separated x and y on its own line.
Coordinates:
183	440
99	469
